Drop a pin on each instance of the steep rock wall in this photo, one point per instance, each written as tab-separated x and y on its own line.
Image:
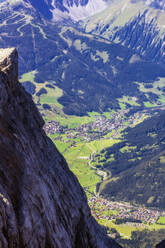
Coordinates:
41	202
161	244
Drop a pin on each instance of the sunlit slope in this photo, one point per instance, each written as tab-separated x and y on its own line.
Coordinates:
134	24
71	74
93	73
138	163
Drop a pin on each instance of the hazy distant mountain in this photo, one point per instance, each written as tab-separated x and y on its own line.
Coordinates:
61	9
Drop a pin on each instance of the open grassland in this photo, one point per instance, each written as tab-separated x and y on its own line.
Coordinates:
86	176
155	87
83	147
72	121
130	100
161	220
113	10
149	104
51	97
62	146
125	230
80	153
78	157
29	76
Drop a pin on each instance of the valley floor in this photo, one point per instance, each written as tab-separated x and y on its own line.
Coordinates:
81	141
96	146
125	217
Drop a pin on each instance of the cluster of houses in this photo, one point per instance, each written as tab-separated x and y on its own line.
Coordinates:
123	211
92	130
53	127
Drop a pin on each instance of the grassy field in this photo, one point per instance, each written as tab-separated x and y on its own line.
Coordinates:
62	146
162	159
126	230
86	176
149	105
52	97
29	76
162	99
161	220
78	152
78	158
129	100
127	149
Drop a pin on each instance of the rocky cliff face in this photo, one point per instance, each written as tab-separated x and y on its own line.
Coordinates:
161	244
41	202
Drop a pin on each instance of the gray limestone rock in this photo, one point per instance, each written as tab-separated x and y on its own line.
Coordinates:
42	205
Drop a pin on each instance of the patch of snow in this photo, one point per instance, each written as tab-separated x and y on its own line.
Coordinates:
15	2
80	12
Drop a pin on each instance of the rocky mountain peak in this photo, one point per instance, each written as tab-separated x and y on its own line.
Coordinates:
41	202
9	63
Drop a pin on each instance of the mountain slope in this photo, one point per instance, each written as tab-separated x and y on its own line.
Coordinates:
42	203
138	164
161	244
89	73
57	10
102	72
135	24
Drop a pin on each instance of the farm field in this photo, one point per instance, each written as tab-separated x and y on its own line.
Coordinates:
126	218
92	142
161	220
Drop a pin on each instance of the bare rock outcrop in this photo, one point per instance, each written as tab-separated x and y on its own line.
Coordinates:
42	204
161	244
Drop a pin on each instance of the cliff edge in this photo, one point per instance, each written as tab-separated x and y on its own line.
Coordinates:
42	205
161	244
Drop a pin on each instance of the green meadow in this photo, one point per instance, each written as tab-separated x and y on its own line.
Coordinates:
161	220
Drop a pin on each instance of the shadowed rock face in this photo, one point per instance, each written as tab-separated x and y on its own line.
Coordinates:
41	202
161	244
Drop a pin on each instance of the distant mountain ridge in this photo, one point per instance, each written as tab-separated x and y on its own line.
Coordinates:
159	4
102	71
64	9
136	24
